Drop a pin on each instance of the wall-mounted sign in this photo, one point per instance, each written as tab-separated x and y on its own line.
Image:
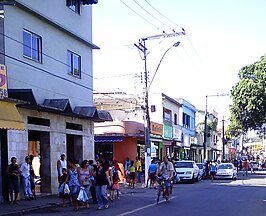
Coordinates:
168	131
156	128
3	81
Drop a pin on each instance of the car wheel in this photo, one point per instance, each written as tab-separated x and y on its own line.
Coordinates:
192	180
197	179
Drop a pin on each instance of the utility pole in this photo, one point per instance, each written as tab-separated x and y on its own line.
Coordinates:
142	47
206	125
223	141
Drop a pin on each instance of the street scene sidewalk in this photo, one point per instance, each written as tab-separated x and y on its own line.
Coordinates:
43	202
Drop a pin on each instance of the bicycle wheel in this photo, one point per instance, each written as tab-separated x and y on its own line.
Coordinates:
159	190
166	194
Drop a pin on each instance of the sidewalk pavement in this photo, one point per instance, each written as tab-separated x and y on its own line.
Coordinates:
42	202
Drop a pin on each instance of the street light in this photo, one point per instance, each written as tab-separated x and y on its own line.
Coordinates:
147	122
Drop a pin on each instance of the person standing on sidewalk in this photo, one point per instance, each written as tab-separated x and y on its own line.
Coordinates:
74	182
61	163
13	172
245	167
102	181
25	174
139	169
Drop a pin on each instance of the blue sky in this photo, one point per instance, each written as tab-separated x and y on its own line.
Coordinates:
222	36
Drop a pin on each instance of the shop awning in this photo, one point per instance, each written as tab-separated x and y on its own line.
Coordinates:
10	117
108	138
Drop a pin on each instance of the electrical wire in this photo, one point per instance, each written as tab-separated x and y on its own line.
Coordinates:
163	14
140	15
152	15
51	57
64	79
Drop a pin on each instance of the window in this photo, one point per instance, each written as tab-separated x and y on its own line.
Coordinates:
186	120
38	121
74	5
74	64
32	46
167	115
175	119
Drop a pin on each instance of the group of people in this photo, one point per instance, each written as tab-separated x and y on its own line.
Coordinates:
24	172
100	181
133	169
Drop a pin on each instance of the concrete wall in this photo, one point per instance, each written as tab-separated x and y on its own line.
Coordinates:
126	148
18	140
55	44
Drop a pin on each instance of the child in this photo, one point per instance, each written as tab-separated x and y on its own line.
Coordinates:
115	186
132	174
62	181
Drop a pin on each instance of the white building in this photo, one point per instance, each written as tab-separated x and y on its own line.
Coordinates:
47	48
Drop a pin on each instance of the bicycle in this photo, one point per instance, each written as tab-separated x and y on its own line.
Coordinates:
162	189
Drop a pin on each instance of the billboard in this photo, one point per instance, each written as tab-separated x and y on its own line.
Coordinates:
3	81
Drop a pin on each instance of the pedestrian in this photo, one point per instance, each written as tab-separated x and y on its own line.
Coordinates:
13	172
102	181
61	163
127	172
245	167
32	177
115	180
213	169
251	167
139	169
152	174
93	166
74	182
132	175
25	174
63	195
85	177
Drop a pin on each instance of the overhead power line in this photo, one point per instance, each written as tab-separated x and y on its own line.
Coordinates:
152	15
139	15
62	78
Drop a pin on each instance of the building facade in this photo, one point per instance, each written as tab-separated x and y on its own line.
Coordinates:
48	58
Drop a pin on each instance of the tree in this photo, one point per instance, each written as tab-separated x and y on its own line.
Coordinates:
248	110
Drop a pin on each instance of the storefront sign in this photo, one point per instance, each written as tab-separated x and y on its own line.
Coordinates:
177	134
168	131
3	81
156	128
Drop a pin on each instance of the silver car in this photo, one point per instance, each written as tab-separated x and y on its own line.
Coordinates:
226	171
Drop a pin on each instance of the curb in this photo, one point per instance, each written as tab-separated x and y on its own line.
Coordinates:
33	209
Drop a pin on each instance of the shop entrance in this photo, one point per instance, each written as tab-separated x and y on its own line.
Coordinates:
104	150
74	148
39	147
3	165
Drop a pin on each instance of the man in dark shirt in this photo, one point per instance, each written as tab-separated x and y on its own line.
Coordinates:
13	172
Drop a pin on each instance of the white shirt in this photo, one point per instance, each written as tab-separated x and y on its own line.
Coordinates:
166	169
25	169
63	164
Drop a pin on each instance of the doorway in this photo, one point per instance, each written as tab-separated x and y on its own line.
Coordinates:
74	148
3	165
39	147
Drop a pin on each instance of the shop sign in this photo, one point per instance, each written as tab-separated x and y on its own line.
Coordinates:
168	131
3	81
156	128
177	133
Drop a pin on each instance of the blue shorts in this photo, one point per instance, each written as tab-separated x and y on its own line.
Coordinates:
166	182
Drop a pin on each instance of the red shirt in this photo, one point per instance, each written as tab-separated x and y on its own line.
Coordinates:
245	164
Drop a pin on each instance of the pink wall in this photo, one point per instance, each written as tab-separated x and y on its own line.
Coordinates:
126	148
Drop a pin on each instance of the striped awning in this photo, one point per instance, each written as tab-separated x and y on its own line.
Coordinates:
108	138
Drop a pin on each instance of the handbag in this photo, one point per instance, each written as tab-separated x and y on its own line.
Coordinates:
86	182
82	196
61	188
66	189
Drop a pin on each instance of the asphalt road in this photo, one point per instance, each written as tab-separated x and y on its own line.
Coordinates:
245	196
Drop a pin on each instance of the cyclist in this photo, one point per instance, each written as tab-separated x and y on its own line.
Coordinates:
166	171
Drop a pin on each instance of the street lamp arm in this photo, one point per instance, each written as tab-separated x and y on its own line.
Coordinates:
174	45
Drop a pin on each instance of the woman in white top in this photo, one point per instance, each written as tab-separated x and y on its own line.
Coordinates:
62	163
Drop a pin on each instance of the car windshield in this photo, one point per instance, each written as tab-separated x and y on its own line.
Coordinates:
225	166
200	166
184	164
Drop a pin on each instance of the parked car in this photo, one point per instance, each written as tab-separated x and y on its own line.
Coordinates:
226	171
187	171
201	170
